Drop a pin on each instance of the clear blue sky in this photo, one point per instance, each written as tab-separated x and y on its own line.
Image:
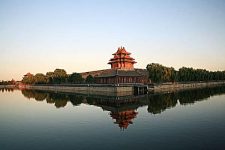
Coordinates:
80	35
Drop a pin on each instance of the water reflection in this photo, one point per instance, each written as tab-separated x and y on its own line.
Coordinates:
158	103
123	110
58	99
124	118
7	89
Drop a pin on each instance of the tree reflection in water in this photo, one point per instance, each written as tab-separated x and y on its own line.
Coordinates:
59	99
7	89
160	102
124	109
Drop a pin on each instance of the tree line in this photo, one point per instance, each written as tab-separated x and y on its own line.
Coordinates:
58	76
12	82
159	73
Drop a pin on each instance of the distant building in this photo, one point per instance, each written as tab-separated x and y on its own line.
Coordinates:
122	70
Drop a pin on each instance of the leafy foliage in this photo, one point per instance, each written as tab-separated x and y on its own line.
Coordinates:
12	82
59	76
75	78
90	79
50	77
159	73
40	78
28	79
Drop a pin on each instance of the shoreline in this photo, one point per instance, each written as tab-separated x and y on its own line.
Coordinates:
89	90
171	87
7	86
119	90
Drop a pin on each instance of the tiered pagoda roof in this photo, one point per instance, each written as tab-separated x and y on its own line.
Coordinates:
122	60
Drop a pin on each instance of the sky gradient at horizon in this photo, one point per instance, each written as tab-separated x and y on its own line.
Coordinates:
80	35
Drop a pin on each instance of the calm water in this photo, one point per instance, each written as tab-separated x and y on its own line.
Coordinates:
42	120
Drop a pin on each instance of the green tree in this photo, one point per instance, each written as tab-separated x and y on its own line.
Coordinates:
40	78
90	79
159	73
50	77
155	72
28	79
75	78
60	76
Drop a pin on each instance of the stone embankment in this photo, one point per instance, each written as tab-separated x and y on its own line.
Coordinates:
118	90
88	89
169	87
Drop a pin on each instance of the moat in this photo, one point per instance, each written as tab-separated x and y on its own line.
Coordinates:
190	119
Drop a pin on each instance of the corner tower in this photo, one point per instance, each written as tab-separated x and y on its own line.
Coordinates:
122	60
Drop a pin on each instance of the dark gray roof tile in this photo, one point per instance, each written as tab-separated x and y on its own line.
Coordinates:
118	72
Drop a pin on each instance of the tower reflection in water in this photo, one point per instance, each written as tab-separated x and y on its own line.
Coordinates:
124	118
123	110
